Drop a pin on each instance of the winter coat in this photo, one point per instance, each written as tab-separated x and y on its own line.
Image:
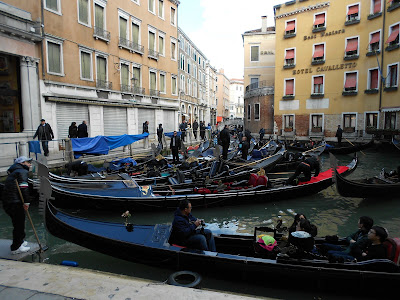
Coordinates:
73	132
225	136
177	142
182	227
10	192
82	131
44	133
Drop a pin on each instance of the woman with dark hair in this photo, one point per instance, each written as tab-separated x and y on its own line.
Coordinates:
73	131
302	238
297	218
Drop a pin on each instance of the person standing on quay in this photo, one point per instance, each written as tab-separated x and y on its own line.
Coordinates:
12	203
160	131
202	129
175	145
225	140
146	127
82	130
339	133
44	134
73	131
195	127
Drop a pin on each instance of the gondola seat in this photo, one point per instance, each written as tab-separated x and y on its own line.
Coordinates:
393	249
253	180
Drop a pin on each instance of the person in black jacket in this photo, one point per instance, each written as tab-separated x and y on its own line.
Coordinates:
225	140
175	145
146	127
195	127
82	130
306	167
185	232
182	128
12	202
244	147
73	131
202	129
160	131
44	134
376	250
339	133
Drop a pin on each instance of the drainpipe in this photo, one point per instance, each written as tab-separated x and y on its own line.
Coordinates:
383	52
42	31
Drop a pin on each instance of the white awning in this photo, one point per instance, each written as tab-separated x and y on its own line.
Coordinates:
391	109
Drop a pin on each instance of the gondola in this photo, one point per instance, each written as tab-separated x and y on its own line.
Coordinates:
129	195
236	256
350	149
376	187
396	142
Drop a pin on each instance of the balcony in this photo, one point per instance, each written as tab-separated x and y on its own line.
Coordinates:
137	48
126	88
100	33
258	89
138	90
124	43
153	54
103	85
154	93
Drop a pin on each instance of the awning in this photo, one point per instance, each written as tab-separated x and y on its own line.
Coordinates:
377	6
351	80
393	35
391	109
375	38
353	10
290	26
289	87
352	45
318	80
319	51
319	19
219	119
289	54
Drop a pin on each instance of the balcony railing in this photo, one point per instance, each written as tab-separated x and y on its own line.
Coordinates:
154	93
100	33
123	42
102	84
138	90
153	54
126	88
258	88
137	48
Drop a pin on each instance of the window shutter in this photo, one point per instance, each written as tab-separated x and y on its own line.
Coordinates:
377	6
83	11
125	74
289	87
136	75
173	50
375	38
289	54
54	56
353	10
101	69
99	16
162	83
374	79
254	53
393	35
319	51
352	45
319	19
52	4
151	40
122	27
174	85
318	80
85	65
351	80
152	80
290	26
161	44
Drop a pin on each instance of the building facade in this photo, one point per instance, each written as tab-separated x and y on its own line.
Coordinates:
236	101
113	64
337	64
259	74
212	93
223	87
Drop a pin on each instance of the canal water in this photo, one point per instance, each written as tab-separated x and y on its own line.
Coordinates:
330	212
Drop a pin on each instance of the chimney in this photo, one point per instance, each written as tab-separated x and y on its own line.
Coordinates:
263	23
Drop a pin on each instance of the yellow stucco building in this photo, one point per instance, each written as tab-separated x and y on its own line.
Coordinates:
337	63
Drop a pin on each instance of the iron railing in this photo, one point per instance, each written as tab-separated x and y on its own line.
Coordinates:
153	54
154	93
102	84
100	33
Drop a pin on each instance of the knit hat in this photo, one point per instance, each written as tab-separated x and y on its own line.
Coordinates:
22	159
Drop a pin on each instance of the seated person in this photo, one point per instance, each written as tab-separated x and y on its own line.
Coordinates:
78	167
377	235
357	242
310	164
296	221
302	237
185	232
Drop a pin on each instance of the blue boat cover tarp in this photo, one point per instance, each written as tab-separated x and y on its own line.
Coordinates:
170	134
103	144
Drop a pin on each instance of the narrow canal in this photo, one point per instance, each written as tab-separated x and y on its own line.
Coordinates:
331	213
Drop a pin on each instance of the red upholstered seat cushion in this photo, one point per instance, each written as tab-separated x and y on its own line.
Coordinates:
325	175
262	180
393	249
253	179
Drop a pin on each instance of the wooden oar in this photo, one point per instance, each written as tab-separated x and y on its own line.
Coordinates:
353	145
312	149
29	216
254	162
265	144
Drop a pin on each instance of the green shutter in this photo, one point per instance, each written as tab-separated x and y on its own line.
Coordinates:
152	80
151	40
101	68
122	28
136	75
174	85
162	83
52	4
99	17
151	5
54	57
83	11
254	53
135	33
161	8
85	65
125	74
161	45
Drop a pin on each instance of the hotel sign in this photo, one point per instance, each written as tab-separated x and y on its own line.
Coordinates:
323	33
350	65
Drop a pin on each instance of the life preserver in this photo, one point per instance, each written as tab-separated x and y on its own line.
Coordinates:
173	279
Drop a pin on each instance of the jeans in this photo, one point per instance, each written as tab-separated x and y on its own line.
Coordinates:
45	146
337	251
203	242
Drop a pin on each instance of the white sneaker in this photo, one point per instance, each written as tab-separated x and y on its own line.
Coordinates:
21	249
25	243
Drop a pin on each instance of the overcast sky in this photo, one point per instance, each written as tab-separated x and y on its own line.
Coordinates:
216	28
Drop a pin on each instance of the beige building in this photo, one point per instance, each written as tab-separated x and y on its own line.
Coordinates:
236	100
223	86
259	74
337	64
212	93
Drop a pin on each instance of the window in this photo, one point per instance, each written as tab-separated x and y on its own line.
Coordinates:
316	123
319	53
376	6
173	49
254	53
174	84
374	41
55	57
99	16
289	87
248	112
123	32
254	83
53	6
153	81
182	83
152	6
136	37
161	9
257	111
86	65
349	122
101	70
350	81
352	46
290	27
125	77
84	12
390	120
290	57
182	62
162	83
393	38
173	16
161	43
371	120
373	79
318	84
136	76
392	76
319	21
353	13
288	121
